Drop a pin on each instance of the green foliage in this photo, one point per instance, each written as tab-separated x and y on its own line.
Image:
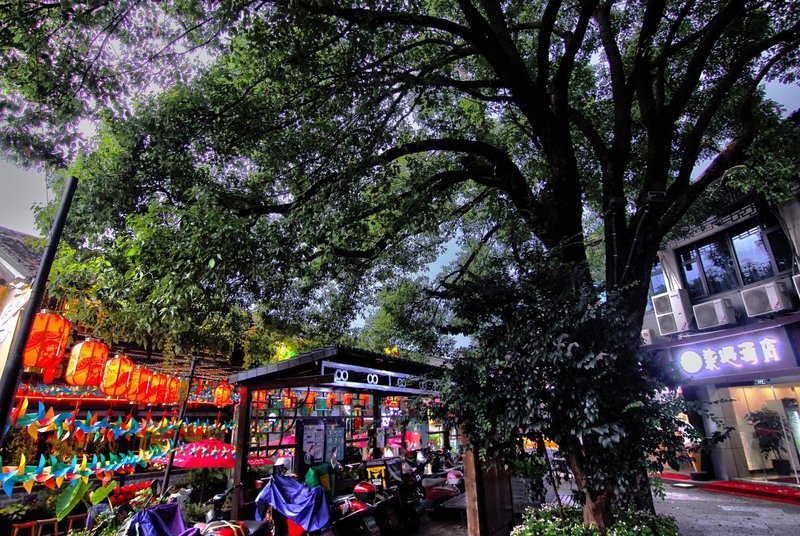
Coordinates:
194	513
68	501
551	521
769	431
101	494
16	443
14	513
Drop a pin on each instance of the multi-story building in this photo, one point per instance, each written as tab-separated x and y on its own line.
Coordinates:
724	306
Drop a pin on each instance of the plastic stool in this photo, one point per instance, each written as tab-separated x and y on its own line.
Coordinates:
79	519
18	527
53	523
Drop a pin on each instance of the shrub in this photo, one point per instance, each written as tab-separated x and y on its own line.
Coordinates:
194	513
14	513
548	522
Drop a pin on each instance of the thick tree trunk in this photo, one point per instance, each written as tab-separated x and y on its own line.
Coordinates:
597	507
597	511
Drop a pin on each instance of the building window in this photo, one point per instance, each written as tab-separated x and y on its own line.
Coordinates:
740	256
657	285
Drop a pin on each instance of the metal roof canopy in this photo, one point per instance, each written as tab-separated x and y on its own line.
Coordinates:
346	368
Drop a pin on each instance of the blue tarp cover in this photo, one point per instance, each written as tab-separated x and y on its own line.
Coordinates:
160	520
305	506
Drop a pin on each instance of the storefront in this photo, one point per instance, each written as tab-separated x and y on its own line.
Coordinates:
751	379
333	402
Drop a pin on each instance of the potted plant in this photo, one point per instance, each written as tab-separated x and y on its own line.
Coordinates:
768	430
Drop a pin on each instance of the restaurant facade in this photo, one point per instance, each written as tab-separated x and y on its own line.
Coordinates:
725	312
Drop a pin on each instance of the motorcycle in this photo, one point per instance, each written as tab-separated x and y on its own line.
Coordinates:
440	489
218	521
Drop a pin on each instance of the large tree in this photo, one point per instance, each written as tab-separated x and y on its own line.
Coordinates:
317	150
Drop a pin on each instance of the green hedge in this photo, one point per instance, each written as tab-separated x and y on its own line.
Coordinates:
548	522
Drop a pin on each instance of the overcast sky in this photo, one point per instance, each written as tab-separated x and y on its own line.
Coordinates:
20	189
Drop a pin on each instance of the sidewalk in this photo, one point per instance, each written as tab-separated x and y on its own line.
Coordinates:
705	513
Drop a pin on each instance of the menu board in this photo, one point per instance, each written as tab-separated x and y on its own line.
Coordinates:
314	442
334	439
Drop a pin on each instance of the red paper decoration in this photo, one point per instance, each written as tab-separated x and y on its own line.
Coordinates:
289	400
348	399
116	379
330	400
140	379
157	389
363	400
86	362
47	343
311	398
222	394
173	390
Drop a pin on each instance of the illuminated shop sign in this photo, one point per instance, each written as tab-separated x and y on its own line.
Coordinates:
747	353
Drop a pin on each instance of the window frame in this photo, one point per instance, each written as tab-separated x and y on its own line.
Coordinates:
726	236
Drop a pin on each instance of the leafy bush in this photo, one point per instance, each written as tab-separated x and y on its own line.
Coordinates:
193	512
14	512
548	522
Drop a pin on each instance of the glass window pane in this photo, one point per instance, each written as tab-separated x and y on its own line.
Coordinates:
753	256
718	266
781	250
694	284
659	286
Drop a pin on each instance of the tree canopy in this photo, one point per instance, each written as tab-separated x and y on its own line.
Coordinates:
308	153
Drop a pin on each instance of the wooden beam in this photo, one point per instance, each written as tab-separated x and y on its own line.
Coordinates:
241	442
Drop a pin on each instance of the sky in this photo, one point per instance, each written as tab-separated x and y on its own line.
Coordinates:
20	189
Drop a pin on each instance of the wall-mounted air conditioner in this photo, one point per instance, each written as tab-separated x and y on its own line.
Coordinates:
766	299
714	313
796	281
648	336
673	311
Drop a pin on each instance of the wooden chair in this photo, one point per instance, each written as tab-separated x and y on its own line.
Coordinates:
76	519
17	529
52	523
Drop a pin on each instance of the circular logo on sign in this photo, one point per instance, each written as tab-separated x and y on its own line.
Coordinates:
340	376
691	362
372	379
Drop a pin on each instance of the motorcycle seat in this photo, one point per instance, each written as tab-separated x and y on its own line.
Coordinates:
433	482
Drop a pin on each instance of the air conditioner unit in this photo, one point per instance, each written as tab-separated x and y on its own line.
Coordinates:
765	299
714	313
673	311
648	336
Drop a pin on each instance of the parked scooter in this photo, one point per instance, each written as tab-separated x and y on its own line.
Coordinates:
218	521
441	489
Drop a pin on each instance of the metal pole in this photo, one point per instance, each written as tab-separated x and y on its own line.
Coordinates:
181	415
9	380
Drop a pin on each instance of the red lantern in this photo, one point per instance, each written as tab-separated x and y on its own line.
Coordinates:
173	390
157	389
47	343
289	401
117	376
311	398
86	362
348	399
363	400
140	379
331	400
222	394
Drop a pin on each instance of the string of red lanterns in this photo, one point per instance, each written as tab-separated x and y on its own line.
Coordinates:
90	366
